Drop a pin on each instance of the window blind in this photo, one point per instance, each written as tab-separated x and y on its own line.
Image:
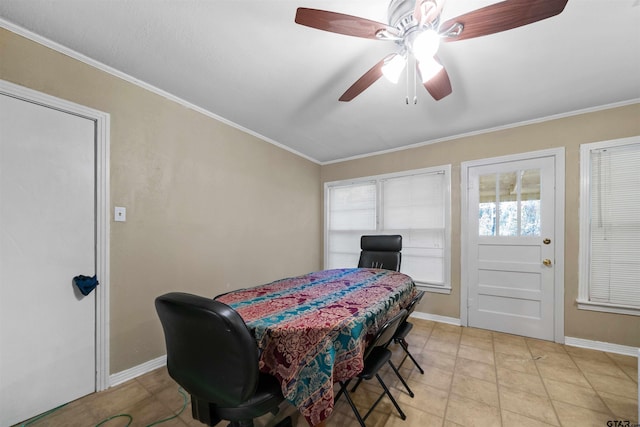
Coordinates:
614	275
351	213
414	206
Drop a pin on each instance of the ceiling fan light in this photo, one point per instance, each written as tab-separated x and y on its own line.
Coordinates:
428	69
426	44
393	68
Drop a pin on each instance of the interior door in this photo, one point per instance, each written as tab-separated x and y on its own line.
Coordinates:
511	247
47	236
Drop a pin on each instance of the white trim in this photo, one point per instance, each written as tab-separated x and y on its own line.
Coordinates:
559	246
602	346
103	262
490	130
436	318
136	371
464	238
126	77
559	159
608	308
433	288
574	342
103	67
161	361
584	257
102	126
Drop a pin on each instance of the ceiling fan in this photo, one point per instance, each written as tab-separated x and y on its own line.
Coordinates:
414	25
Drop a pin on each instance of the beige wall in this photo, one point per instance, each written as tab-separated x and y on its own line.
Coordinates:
209	208
567	132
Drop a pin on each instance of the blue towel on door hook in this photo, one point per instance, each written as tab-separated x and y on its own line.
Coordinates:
86	284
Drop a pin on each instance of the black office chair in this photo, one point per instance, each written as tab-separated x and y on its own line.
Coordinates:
375	357
400	338
212	354
381	251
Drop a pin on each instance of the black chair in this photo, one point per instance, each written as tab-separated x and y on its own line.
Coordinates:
381	251
375	357
212	354
400	338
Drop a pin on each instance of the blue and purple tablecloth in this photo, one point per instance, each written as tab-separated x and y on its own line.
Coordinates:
313	329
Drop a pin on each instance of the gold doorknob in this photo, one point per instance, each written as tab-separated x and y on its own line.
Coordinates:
546	241
546	262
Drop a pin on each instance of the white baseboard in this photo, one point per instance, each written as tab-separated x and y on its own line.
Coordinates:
149	366
602	346
436	318
136	371
575	342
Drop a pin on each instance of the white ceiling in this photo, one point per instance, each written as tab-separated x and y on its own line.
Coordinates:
248	63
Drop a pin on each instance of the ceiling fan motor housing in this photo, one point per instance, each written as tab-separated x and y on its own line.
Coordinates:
400	15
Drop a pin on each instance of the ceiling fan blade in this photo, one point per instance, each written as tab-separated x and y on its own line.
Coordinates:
439	85
365	81
503	16
343	24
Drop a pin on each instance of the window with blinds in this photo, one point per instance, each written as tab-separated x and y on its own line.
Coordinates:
351	212
610	226
414	204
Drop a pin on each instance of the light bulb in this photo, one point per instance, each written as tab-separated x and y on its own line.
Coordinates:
425	45
393	68
428	69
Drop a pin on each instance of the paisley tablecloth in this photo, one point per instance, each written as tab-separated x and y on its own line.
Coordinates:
313	329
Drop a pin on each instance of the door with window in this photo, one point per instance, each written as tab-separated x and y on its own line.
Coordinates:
511	247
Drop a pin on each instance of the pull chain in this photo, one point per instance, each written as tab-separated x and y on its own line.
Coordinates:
415	84
406	83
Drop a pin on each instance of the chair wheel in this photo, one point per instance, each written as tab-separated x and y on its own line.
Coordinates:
412	394
403	416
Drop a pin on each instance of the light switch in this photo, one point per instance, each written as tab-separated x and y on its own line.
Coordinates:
120	214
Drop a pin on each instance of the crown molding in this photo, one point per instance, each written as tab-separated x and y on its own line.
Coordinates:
130	79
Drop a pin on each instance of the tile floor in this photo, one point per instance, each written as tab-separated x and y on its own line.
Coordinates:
472	377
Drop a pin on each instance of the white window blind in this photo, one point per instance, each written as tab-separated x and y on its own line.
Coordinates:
351	212
610	226
615	225
414	204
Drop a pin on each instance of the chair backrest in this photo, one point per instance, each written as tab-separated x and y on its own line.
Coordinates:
381	251
210	351
412	304
385	333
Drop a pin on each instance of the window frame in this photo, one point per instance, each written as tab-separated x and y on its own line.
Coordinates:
583	301
445	287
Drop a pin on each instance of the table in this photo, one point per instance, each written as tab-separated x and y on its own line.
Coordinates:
312	330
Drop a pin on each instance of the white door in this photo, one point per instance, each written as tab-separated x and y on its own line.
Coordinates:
511	229
47	236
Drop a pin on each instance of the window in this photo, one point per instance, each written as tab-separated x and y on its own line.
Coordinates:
510	203
610	226
414	204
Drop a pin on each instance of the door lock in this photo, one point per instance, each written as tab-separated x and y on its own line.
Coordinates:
546	241
546	262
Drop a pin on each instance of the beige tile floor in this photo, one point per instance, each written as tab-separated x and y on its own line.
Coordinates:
472	377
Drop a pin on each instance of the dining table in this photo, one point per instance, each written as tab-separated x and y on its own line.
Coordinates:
312	330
